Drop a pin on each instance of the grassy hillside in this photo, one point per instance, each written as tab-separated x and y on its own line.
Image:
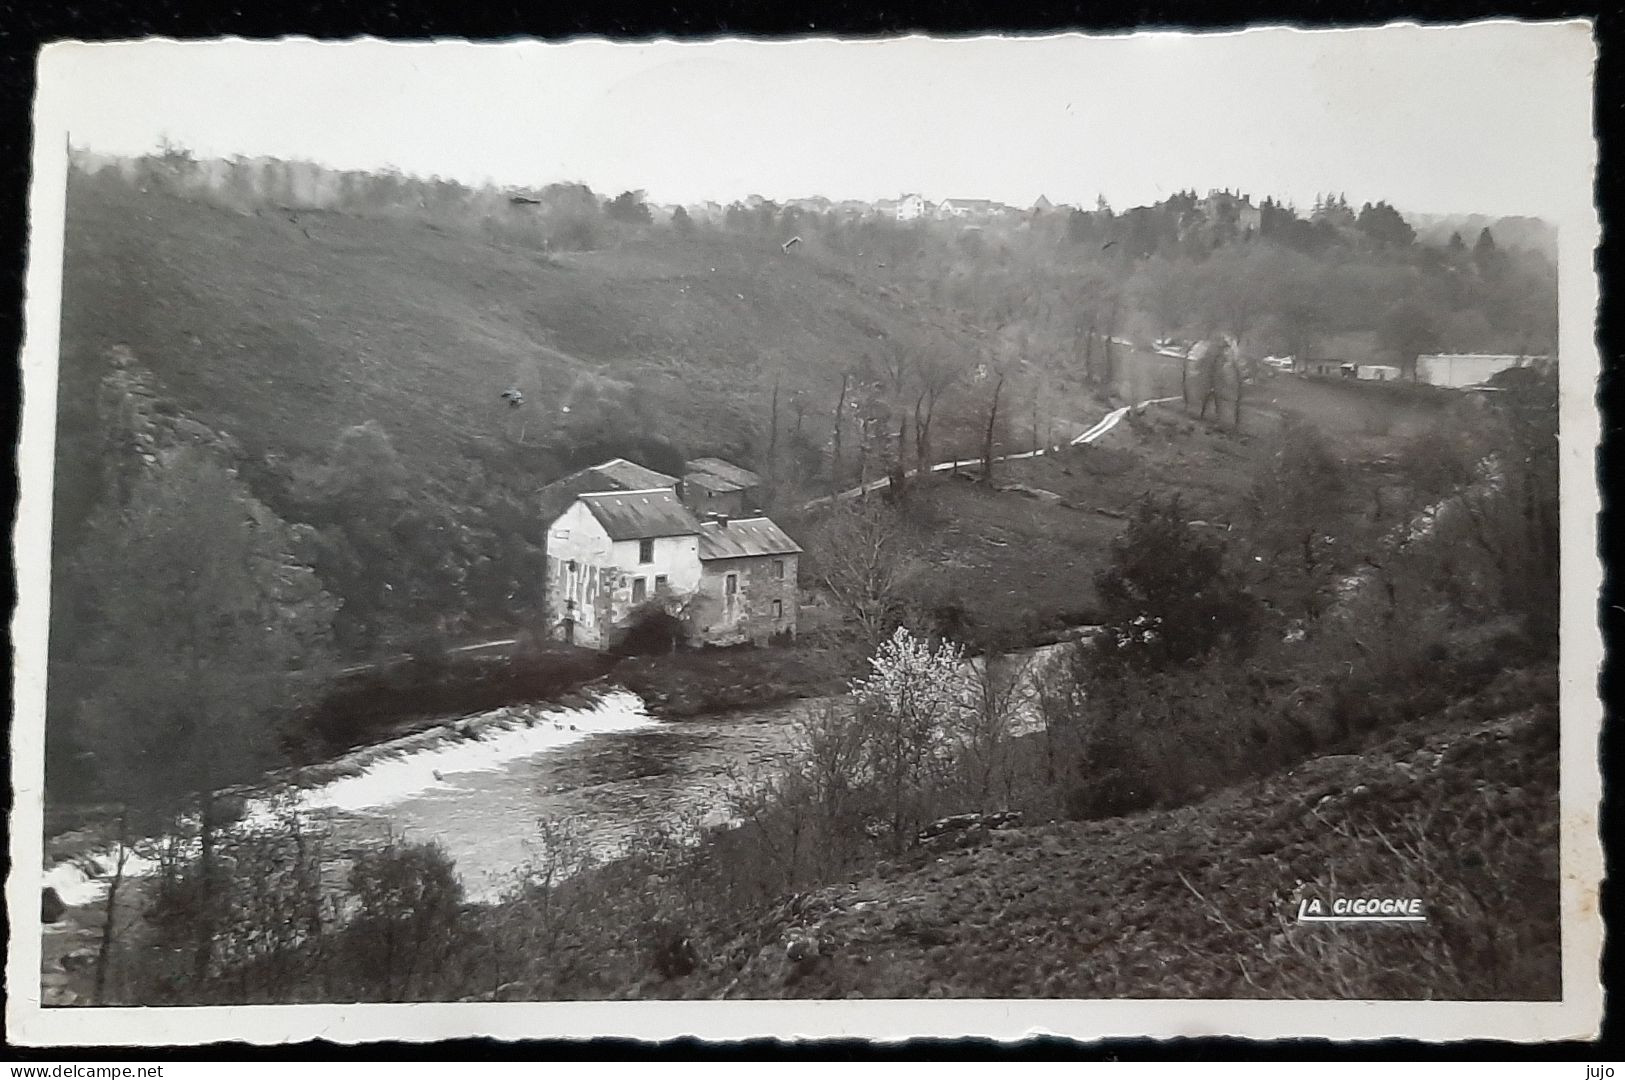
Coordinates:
1201	901
284	328
287	330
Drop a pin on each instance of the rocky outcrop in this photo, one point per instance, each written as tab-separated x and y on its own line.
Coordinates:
965	830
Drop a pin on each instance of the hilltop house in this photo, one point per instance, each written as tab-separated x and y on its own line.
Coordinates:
912	207
1234	207
964	208
612	554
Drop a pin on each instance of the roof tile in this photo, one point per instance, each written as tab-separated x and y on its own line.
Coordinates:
744	538
641	515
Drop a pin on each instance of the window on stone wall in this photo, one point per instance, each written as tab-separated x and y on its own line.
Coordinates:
660	582
732	585
646	551
778	609
778	568
638	592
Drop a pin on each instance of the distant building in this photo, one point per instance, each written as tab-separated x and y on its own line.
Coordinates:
714	486
912	207
964	208
1233	207
1042	205
1329	368
1470	369
1376	372
614	554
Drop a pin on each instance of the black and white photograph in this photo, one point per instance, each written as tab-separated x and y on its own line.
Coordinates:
878	537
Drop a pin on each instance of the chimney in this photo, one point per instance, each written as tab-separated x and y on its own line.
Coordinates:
720	518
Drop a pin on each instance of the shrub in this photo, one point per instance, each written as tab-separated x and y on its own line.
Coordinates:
406	921
671	950
1168	597
651	630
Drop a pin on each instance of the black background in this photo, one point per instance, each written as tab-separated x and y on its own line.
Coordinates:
24	27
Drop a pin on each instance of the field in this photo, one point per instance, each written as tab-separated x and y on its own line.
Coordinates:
1024	552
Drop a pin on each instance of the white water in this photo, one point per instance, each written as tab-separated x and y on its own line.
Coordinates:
82	881
513	735
393	779
603	773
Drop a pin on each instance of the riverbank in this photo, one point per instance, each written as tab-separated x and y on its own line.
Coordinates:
1457	807
1459	811
701	683
1057	907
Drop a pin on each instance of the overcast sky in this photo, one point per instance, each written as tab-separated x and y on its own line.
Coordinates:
1433	120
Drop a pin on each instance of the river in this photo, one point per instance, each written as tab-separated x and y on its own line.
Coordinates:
603	772
628	772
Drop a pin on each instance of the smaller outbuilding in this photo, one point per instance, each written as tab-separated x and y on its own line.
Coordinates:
714	486
748	573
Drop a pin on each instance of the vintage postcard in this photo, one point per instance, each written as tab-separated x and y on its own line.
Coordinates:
1088	535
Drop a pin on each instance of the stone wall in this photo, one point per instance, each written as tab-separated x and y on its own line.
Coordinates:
746	616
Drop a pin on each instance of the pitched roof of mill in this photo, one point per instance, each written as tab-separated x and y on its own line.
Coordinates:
744	538
615	475
641	515
725	471
630	476
710	482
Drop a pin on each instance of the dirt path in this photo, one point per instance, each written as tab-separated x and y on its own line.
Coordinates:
1105	424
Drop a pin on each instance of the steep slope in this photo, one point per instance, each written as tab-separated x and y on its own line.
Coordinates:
1459	811
284	328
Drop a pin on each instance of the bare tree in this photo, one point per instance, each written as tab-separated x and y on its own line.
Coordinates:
864	559
773	432
999	689
1241	373
835	437
987	439
1292	507
896	367
934	376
